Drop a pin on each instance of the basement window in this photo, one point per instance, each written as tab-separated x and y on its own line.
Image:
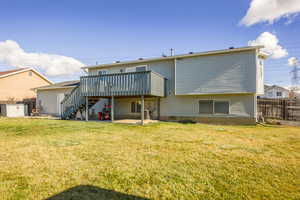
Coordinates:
221	107
206	106
213	107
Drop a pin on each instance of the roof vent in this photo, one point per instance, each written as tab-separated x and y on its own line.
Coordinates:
141	58
191	52
231	47
117	61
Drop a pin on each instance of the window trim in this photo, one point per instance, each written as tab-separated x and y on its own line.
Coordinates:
134	67
279	92
215	100
213	107
146	67
228	107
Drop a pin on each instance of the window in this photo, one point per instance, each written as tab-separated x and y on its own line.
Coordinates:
102	72
279	94
213	107
141	69
222	107
206	107
135	107
137	68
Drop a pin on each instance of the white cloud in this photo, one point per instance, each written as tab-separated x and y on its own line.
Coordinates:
293	61
270	10
271	44
54	65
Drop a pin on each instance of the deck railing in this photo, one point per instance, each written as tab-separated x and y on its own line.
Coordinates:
72	102
123	84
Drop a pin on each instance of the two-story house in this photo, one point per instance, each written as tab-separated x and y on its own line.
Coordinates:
215	86
275	92
17	84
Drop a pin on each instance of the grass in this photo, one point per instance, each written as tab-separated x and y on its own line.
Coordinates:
55	159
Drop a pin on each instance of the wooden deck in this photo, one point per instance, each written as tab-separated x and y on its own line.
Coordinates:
123	84
142	84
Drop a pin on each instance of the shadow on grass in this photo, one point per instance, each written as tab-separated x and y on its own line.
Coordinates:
88	192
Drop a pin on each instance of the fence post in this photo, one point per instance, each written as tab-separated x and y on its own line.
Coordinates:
284	109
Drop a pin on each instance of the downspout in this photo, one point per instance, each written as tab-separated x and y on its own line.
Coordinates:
175	64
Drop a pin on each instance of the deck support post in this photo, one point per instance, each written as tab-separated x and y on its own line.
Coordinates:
112	108
142	110
158	107
86	108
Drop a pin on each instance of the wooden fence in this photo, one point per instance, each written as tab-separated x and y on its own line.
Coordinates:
283	109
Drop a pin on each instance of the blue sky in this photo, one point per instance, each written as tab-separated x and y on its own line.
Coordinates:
105	31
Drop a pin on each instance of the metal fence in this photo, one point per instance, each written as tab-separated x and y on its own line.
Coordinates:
283	109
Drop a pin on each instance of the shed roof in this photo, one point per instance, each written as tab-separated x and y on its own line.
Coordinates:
60	85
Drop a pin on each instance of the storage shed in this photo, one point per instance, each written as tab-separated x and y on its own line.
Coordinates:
49	97
13	110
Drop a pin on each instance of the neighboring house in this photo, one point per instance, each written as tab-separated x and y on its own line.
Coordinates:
275	92
49	97
214	86
16	85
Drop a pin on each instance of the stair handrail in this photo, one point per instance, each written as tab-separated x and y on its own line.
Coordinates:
71	102
68	96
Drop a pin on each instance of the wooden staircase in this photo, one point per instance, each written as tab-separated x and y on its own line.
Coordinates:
75	102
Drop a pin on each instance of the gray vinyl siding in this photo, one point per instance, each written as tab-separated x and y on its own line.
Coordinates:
156	85
240	105
260	76
216	77
217	74
123	106
164	68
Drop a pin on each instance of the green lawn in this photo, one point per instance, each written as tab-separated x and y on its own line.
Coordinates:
77	160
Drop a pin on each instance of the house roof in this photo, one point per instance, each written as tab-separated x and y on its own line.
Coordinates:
268	87
20	70
60	85
11	71
230	50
